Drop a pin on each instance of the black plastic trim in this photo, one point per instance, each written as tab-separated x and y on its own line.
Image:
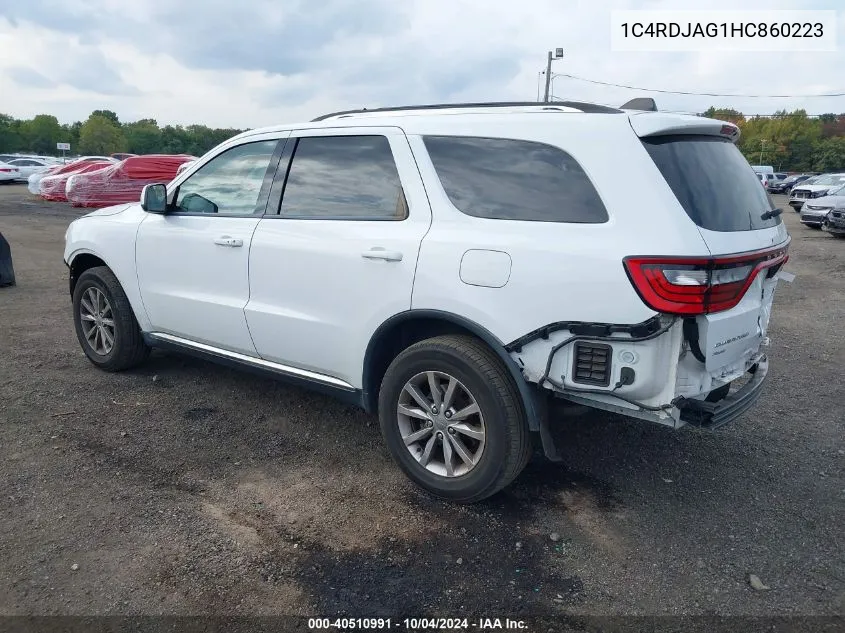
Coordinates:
370	391
349	396
280	178
579	347
589	108
712	415
585	328
691	336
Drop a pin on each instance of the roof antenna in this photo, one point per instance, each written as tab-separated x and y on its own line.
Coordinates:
646	104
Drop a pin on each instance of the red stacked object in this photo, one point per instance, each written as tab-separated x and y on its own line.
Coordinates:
53	186
122	182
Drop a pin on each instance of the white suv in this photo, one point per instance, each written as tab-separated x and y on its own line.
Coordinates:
452	268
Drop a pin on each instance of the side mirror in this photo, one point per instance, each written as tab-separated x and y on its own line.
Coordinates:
154	198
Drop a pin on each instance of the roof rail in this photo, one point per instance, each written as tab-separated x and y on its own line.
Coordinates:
547	105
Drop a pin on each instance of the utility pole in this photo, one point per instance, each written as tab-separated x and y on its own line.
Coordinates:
548	78
558	54
762	142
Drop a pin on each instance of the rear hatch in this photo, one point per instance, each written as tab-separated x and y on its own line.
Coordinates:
729	295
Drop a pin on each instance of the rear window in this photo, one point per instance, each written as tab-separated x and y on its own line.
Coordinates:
509	179
713	182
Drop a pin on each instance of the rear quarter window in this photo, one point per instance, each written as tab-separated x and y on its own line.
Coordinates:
714	183
509	179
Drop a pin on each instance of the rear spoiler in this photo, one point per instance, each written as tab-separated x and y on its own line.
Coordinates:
662	124
647	121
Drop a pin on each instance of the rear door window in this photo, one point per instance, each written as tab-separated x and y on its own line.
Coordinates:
713	182
509	179
344	178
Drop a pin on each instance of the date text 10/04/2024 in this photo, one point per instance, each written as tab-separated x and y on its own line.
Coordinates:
417	624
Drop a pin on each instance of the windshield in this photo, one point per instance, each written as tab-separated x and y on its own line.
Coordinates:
828	180
713	182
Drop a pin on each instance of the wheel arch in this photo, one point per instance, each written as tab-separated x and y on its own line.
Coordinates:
406	328
81	261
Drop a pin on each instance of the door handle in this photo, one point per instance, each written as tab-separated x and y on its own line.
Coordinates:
226	240
378	252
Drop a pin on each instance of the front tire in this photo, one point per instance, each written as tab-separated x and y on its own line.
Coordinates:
105	323
452	418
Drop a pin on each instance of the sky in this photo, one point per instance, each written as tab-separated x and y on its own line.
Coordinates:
250	63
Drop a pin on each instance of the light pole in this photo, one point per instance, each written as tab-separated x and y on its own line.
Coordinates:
558	54
763	141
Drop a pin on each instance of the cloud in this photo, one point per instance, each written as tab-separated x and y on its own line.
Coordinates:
256	62
90	70
29	77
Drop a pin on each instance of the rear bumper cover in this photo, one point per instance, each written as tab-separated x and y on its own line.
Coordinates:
712	415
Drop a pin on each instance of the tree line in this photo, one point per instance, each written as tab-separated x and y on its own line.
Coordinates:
102	133
789	141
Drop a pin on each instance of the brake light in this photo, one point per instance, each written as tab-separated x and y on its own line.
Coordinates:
6	170
699	285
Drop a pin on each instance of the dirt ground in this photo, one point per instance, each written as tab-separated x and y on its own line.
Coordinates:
187	488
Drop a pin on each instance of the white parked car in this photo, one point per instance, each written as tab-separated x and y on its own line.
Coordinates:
29	166
9	173
814	212
453	269
819	187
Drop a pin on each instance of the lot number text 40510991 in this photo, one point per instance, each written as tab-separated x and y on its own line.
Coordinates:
417	624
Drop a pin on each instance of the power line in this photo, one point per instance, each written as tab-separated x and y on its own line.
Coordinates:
744	114
699	94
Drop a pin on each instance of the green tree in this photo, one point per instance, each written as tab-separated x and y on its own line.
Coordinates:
829	154
99	135
44	132
10	134
70	134
724	114
111	116
143	137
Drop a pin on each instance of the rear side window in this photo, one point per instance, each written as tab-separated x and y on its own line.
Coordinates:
344	178
508	179
713	182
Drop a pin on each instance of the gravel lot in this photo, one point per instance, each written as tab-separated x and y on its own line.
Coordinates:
187	488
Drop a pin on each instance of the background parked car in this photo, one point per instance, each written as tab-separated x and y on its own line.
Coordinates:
52	186
834	222
815	189
34	181
8	173
29	166
786	185
123	181
815	211
184	166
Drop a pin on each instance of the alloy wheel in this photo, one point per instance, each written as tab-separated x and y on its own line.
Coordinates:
441	424
95	314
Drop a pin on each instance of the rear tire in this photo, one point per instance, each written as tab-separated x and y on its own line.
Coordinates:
105	323
487	449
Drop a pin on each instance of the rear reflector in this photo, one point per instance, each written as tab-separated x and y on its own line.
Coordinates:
699	285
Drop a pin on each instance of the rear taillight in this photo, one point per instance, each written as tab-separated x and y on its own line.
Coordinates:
7	170
699	285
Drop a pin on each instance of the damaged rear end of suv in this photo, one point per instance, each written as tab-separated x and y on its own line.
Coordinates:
712	251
